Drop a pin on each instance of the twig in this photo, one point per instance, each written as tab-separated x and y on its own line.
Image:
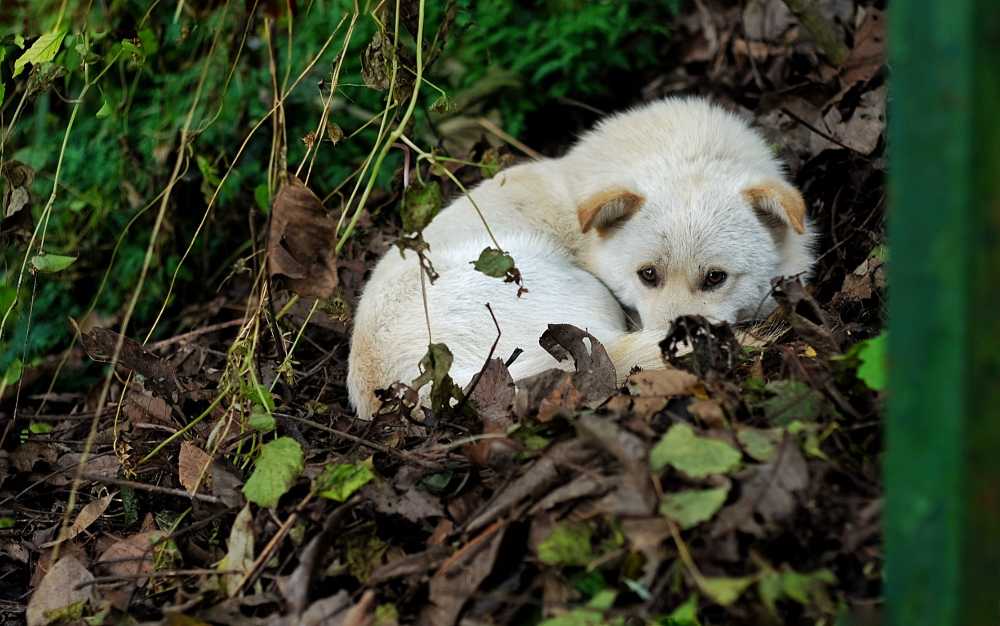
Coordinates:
192	334
404	456
502	134
486	363
118	482
169	573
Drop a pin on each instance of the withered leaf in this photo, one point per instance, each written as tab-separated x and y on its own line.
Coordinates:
193	468
492	394
133	555
868	55
767	493
301	242
555	391
61	593
459	577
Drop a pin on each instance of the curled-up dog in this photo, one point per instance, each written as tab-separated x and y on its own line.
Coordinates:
674	208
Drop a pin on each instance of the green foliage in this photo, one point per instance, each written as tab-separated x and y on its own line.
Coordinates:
693	506
694	455
279	464
873	370
339	482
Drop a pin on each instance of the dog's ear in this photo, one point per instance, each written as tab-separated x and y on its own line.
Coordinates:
607	208
778	204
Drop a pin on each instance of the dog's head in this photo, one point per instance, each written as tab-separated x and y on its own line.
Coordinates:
687	212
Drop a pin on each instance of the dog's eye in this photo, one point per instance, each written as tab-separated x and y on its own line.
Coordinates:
714	278
649	276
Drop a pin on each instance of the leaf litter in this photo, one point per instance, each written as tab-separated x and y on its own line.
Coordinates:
738	486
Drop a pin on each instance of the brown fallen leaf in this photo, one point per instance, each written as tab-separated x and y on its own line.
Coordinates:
60	594
301	241
861	284
768	492
862	131
143	407
132	556
460	576
555	391
193	465
100	343
87	516
868	54
492	395
668	382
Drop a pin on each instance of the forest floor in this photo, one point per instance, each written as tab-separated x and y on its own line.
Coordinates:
738	486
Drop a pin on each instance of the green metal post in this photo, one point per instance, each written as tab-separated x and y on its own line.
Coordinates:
942	465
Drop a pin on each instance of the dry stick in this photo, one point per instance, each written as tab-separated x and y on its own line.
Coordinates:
400	454
489	357
117	482
192	334
502	134
169	573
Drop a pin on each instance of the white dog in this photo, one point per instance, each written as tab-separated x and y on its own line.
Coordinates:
673	208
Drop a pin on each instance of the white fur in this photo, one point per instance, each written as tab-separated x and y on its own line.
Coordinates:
690	160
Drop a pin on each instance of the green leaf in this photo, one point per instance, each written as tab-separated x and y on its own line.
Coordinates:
493	262
6	522
42	51
603	599
684	615
105	111
3	92
694	506
279	464
724	591
696	456
434	368
39	428
792	400
568	544
806	589
260	395
420	204
262	422
13	373
51	263
339	482
873	370
759	443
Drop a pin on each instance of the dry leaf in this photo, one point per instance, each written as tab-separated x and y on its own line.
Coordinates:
300	246
192	467
87	516
58	597
132	556
868	55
